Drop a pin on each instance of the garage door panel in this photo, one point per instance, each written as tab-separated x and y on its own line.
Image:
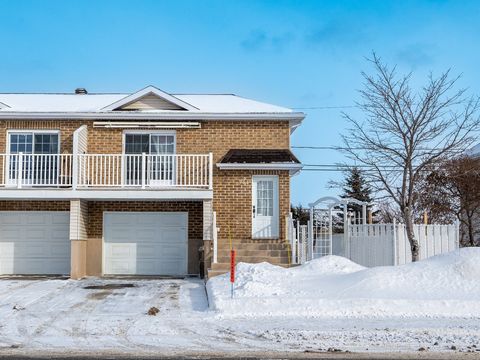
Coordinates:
7	250
60	220
120	218
6	266
121	266
149	267
174	220
147	235
147	219
172	251
33	249
10	219
159	240
36	234
173	235
61	251
34	242
120	236
171	267
122	250
9	233
37	219
147	251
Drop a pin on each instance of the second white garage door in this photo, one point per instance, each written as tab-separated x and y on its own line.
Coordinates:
145	243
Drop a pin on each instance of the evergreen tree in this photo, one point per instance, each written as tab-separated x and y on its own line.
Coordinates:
300	214
356	187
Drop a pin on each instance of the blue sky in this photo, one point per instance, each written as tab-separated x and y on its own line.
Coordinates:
298	54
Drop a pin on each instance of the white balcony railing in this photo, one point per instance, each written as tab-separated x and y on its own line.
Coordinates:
106	170
20	170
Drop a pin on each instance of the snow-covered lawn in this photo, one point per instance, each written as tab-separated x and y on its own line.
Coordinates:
445	286
328	303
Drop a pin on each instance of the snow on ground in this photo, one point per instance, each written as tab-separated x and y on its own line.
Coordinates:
446	286
327	303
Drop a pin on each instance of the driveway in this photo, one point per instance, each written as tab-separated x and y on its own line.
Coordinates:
109	317
93	314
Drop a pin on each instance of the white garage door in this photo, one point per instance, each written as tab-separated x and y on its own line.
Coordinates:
34	242
145	243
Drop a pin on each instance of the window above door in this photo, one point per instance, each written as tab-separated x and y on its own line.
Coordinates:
152	143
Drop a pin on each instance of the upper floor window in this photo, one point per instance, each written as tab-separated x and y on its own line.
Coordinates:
153	144
33	142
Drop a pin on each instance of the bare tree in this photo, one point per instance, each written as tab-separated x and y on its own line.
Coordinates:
453	190
404	132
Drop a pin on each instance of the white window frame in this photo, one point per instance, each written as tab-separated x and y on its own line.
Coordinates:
6	172
149	132
33	132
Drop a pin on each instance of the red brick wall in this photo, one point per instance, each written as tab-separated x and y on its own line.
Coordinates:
66	131
232	200
34	205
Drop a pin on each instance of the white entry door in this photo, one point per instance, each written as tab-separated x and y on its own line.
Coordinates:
34	242
265	207
145	243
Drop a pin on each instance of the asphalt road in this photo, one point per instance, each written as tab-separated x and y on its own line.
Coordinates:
14	355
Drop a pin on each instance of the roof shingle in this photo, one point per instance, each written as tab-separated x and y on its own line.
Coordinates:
259	156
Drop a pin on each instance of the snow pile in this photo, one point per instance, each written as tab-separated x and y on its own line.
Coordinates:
447	285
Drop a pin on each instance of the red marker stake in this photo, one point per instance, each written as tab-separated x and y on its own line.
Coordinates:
232	270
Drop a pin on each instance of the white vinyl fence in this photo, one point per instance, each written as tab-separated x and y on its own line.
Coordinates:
376	244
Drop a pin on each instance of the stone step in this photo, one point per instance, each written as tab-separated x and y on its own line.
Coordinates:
223	268
220	267
255	259
254	246
213	273
254	252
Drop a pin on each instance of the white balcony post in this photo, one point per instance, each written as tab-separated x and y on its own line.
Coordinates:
75	166
210	171
215	237
19	169
144	167
122	170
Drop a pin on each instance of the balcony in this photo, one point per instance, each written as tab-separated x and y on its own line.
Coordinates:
104	172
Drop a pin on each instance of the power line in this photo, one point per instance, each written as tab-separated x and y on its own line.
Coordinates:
323	107
350	166
338	148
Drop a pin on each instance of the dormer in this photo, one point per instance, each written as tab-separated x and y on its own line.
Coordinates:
150	99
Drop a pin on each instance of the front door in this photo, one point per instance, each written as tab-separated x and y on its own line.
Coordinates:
265	218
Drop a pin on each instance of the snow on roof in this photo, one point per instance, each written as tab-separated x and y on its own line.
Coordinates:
211	103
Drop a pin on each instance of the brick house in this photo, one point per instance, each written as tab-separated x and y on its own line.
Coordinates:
136	184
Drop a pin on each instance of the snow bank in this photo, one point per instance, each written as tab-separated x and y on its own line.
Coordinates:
447	285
